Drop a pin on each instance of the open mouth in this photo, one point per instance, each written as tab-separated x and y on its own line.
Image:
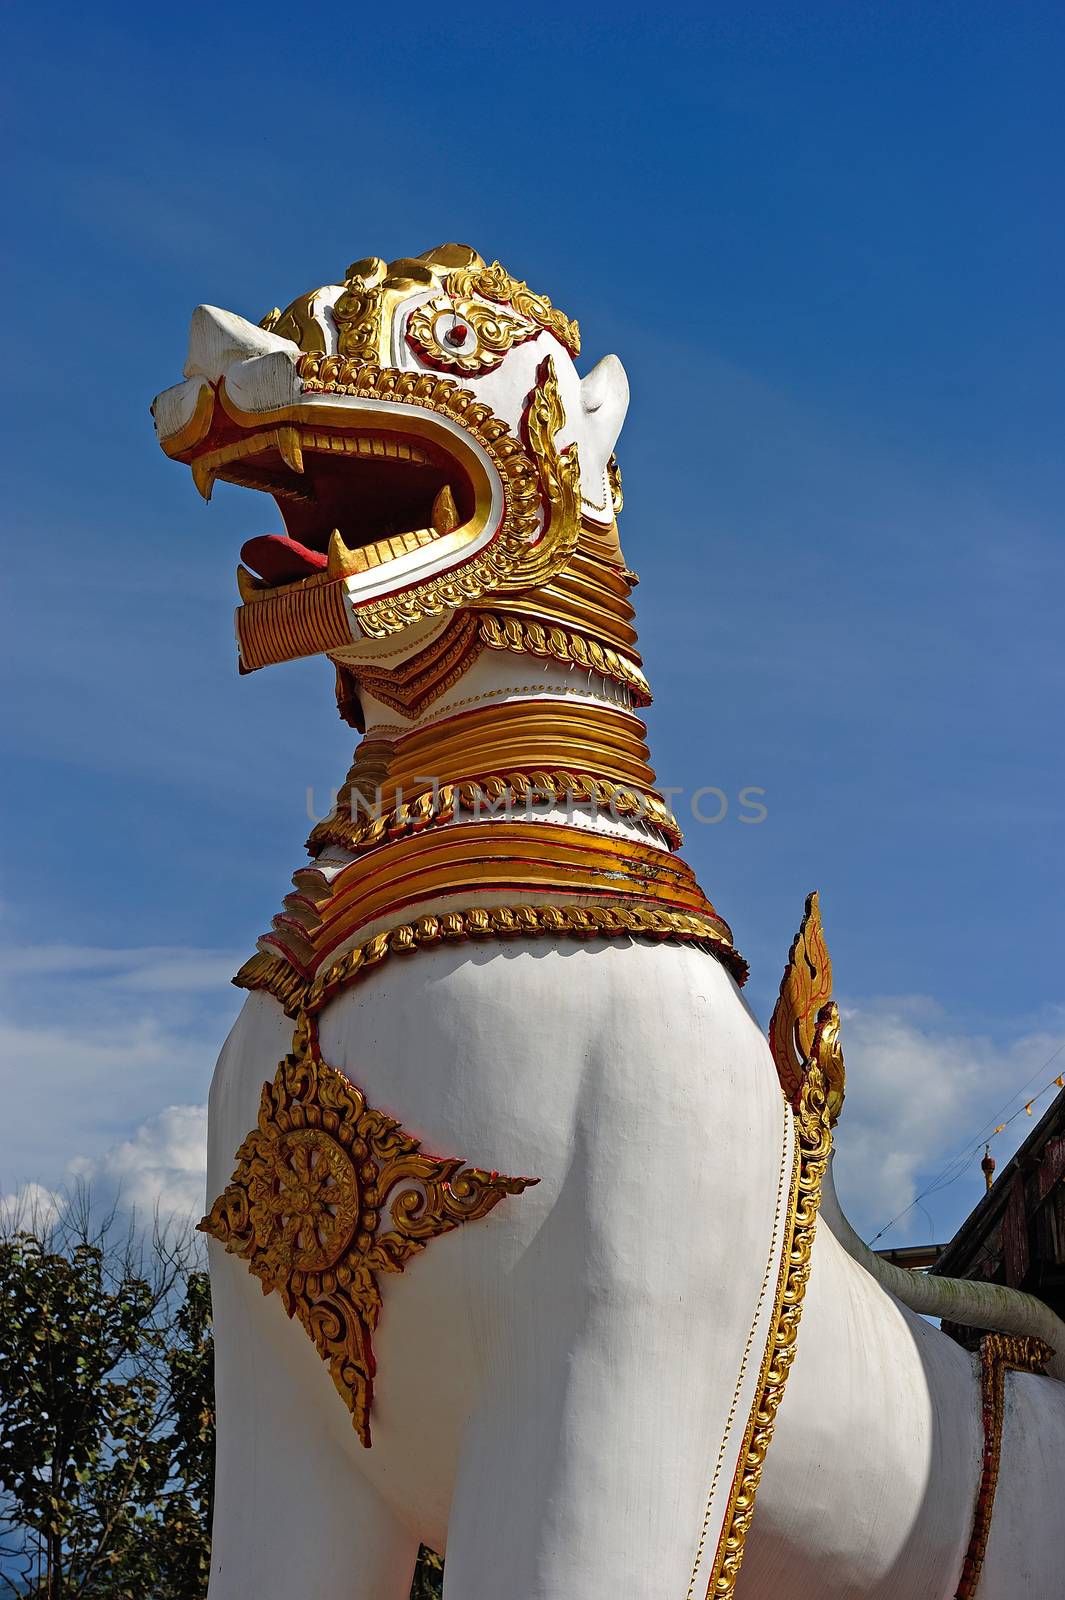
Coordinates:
403	497
350	501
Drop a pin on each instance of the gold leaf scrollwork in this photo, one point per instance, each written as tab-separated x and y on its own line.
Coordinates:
274	975
560	484
466	336
358	311
374	289
523	634
495	283
441	804
327	1195
797	1030
298	323
617	493
999	1353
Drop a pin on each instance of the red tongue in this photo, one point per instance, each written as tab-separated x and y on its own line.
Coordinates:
278	559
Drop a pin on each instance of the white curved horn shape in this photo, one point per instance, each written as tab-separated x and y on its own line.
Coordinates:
218	338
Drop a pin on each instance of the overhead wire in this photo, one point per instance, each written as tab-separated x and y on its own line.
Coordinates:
958	1164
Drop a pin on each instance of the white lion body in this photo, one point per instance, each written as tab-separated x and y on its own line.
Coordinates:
554	1383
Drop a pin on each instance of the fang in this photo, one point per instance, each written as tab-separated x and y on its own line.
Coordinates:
445	517
342	561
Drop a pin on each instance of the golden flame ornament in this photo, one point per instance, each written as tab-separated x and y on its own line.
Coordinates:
805	1024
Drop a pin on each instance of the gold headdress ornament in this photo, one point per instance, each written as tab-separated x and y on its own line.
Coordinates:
373	287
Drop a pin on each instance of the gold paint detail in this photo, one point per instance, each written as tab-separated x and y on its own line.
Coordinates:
617	493
357	312
329	1194
298	322
813	1100
488	855
999	1353
448	257
302	620
278	977
342	562
411	688
560	483
445	516
520	555
804	1018
373	289
569	692
221	463
565	735
590	595
489	334
579	733
528	636
495	283
250	588
516	790
231	462
368	773
782	1211
202	481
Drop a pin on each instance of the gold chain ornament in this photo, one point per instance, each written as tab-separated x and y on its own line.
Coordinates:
804	1038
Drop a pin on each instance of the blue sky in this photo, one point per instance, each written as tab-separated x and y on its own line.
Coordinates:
827	243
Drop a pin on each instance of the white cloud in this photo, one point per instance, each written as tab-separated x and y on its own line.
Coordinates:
148	968
160	1169
31	1206
920	1091
93	1043
106	1056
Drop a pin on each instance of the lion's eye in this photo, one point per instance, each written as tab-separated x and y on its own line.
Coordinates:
452	331
466	336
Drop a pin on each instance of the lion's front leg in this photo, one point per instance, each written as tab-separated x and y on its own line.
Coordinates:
294	1514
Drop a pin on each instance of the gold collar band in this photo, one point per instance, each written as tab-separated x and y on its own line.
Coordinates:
274	975
500	859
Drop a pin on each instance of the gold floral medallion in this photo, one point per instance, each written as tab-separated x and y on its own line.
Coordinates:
328	1194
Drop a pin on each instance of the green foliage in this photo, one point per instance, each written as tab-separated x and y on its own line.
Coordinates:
106	1416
